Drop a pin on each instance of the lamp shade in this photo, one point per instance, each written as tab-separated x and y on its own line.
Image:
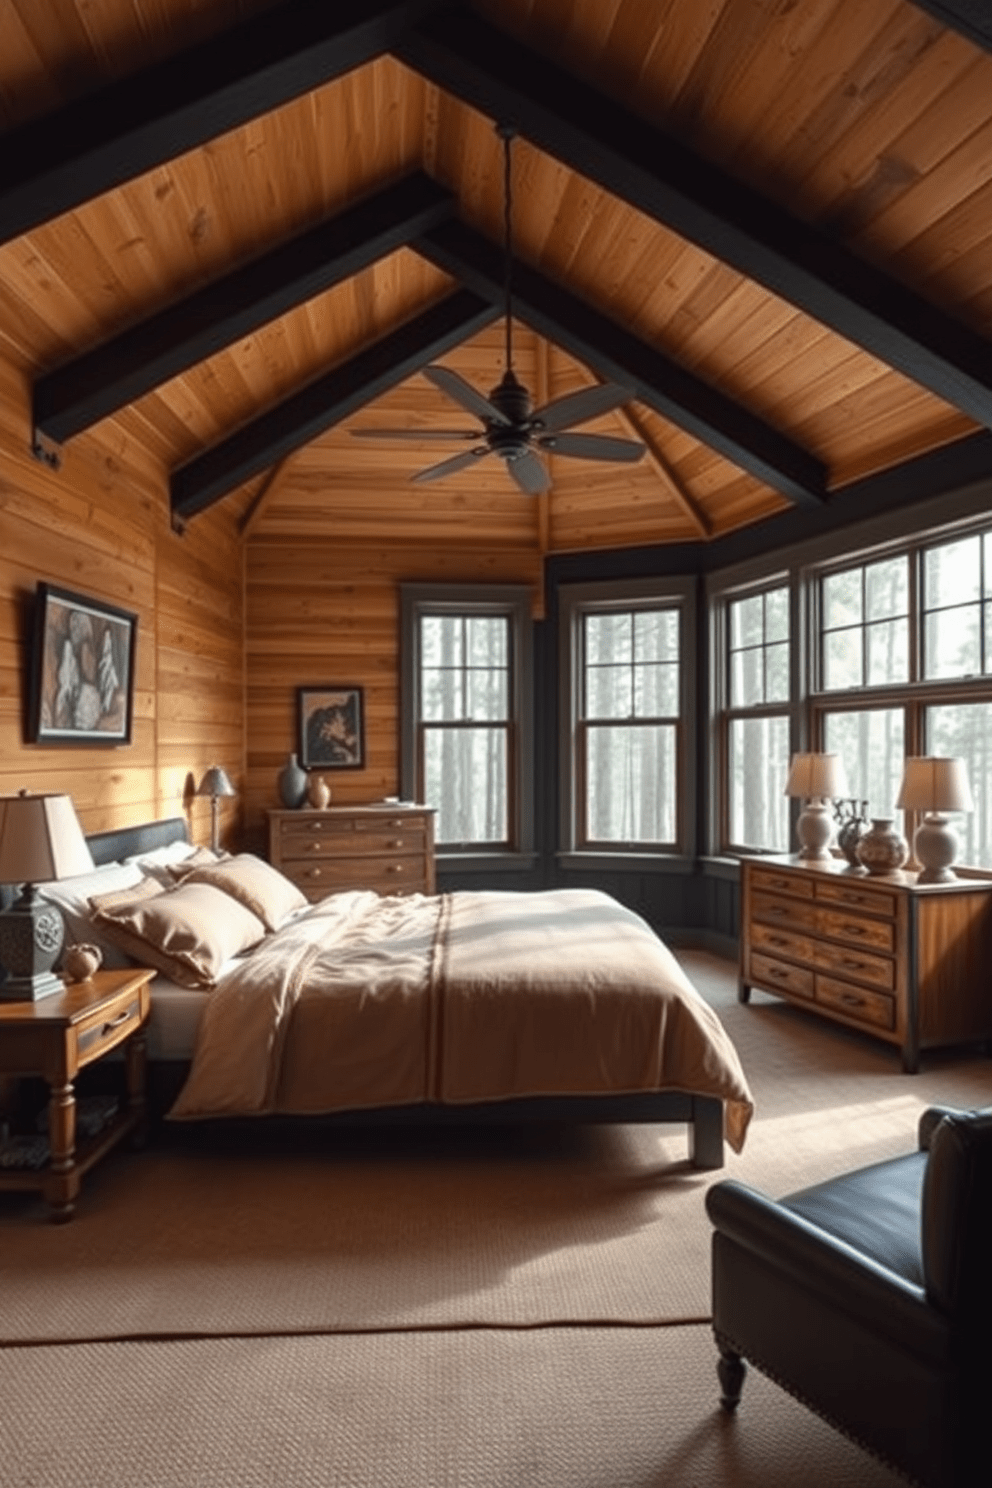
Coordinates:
812	775
935	783
215	783
41	839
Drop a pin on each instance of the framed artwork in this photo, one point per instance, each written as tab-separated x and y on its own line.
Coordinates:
82	670
332	727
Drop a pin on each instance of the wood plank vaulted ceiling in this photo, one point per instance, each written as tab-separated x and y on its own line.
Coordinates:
233	232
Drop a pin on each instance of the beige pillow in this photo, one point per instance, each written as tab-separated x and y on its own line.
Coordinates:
189	932
254	883
200	857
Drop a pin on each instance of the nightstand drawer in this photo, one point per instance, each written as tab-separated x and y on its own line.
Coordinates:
99	1035
782	977
873	1008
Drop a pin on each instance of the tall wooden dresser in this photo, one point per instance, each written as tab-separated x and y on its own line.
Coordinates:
384	847
908	963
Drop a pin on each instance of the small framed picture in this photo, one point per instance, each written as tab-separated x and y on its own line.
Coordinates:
332	727
82	670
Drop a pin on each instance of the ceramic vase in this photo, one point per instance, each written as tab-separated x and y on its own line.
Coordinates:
81	961
292	784
318	792
852	828
882	849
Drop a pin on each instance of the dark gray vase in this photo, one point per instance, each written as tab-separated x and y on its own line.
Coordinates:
292	784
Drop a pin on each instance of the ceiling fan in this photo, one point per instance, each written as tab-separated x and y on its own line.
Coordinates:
511	427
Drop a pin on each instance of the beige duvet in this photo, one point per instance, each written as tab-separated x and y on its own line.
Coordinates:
366	1001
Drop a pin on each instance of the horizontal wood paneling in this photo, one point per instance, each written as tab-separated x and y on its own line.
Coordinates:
100	526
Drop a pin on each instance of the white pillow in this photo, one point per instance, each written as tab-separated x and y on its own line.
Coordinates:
72	896
157	861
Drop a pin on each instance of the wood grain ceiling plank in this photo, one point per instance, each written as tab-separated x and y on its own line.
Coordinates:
227	310
671	483
171	107
601	139
330	398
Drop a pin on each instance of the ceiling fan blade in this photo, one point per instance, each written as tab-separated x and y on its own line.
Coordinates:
448	467
577	407
465	394
414	433
529	474
592	446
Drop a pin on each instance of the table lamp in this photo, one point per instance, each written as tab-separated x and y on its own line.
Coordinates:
934	784
215	784
816	779
40	839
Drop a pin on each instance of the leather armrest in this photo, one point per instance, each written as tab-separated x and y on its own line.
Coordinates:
850	1281
929	1122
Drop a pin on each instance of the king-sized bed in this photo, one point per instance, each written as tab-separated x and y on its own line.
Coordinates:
468	1006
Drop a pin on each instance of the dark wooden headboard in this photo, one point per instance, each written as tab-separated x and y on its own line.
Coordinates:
124	842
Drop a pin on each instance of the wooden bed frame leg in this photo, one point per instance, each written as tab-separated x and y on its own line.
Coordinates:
706	1132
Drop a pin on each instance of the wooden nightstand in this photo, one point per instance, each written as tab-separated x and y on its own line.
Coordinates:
55	1038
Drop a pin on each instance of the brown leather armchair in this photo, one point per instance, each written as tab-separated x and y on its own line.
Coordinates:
869	1298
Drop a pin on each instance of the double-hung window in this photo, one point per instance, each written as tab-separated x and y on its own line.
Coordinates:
754	743
466	713
627	665
904	667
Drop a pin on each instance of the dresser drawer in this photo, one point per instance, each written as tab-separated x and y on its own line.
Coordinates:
781	977
793	914
873	1008
878	935
406	838
782	883
781	942
873	901
385	874
861	965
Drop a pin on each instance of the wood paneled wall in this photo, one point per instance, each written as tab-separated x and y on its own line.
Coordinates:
100	526
321	610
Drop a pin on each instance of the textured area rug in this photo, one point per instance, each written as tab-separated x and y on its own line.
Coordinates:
555	1408
522	1227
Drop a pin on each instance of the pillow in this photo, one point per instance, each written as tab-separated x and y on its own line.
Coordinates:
199	857
254	883
72	896
158	860
189	932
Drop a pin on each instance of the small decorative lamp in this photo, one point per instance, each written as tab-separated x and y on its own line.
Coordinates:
40	839
215	784
816	779
935	784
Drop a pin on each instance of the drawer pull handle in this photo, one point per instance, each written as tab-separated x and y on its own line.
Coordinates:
779	940
398	842
116	1022
778	971
849	1000
777	909
314	872
394	868
854	929
849	964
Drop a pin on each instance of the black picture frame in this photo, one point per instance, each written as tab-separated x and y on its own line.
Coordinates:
82	670
331	726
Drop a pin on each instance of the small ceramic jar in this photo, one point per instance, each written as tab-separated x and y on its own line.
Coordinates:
81	961
882	849
318	792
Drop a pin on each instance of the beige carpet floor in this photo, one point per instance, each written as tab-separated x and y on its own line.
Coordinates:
554	1408
479	1227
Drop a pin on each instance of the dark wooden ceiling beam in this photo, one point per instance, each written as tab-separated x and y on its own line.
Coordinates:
973	18
93	386
619	356
638	163
97	142
324	402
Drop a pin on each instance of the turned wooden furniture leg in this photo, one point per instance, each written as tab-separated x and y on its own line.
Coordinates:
62	1185
731	1370
135	1066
